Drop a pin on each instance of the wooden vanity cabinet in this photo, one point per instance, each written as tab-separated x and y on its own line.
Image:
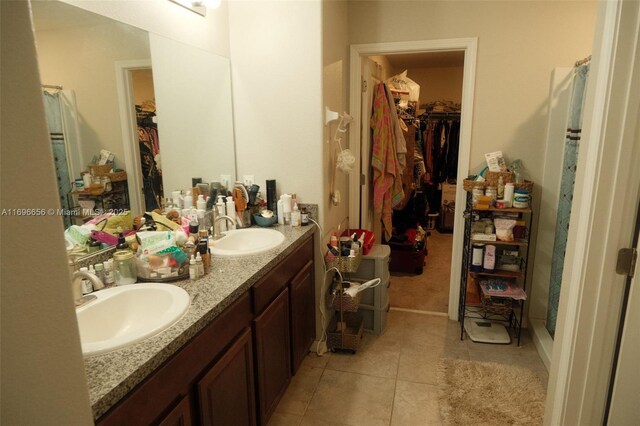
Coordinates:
284	328
226	392
169	395
235	370
303	319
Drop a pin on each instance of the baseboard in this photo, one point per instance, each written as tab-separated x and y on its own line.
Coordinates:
542	341
417	311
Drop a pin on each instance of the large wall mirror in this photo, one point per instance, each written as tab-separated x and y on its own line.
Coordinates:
161	107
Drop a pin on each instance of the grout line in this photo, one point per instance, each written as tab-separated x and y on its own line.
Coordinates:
417	311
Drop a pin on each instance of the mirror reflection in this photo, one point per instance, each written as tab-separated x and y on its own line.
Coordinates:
133	117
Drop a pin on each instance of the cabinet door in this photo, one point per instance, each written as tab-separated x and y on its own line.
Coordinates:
273	362
303	318
226	391
179	416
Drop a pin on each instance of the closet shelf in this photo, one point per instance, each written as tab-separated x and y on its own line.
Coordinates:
501	274
520	243
505	210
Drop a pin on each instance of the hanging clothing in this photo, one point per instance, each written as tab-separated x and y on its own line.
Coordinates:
397	123
387	178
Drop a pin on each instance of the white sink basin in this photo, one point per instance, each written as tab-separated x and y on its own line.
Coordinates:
243	242
128	314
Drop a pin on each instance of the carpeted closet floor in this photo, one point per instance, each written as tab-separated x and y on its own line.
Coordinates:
428	291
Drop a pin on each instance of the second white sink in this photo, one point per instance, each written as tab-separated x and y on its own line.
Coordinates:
243	242
124	315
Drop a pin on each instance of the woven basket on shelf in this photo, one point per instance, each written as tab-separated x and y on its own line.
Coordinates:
100	169
497	305
344	302
117	176
469	184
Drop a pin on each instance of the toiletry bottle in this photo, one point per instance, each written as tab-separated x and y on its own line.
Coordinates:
221	212
126	271
304	217
193	269
122	244
231	212
201	204
286	208
99	268
187	200
109	278
199	266
94	245
500	188
296	217
193	230
85	284
280	211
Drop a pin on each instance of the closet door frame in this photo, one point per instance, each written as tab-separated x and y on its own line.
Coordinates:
467	45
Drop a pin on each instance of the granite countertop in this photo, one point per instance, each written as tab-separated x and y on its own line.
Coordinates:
112	375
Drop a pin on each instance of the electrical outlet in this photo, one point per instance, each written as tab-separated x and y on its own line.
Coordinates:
248	180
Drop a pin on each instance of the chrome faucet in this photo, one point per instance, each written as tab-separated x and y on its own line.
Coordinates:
216	228
76	286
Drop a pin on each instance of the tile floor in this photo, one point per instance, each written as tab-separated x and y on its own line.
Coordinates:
392	379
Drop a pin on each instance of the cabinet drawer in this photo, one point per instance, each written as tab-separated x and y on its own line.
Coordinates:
268	288
374	320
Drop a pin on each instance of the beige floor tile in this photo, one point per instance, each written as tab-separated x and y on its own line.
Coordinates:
376	356
314	360
352	399
300	391
312	421
283	419
421	364
415	404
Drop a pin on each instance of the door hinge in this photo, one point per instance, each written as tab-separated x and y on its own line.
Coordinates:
626	263
364	86
362	179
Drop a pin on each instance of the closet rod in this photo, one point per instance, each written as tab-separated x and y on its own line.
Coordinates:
51	86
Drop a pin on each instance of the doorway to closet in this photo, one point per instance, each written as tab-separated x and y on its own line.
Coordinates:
360	201
427	92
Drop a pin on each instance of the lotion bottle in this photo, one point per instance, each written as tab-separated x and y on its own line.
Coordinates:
201	204
231	211
296	216
221	212
193	269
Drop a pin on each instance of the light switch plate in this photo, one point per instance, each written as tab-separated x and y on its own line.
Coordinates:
248	180
225	181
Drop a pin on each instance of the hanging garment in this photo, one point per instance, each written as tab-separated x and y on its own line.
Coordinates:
397	123
453	143
440	147
387	180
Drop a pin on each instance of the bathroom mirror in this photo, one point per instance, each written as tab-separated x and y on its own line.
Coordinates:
105	75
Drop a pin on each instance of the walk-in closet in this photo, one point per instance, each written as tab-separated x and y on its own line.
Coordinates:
426	89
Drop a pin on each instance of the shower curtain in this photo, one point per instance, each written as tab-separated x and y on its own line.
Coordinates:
571	147
53	115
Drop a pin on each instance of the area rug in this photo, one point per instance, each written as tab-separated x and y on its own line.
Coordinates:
486	393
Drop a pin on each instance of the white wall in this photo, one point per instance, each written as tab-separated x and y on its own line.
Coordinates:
82	59
168	19
519	43
277	94
43	380
438	83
